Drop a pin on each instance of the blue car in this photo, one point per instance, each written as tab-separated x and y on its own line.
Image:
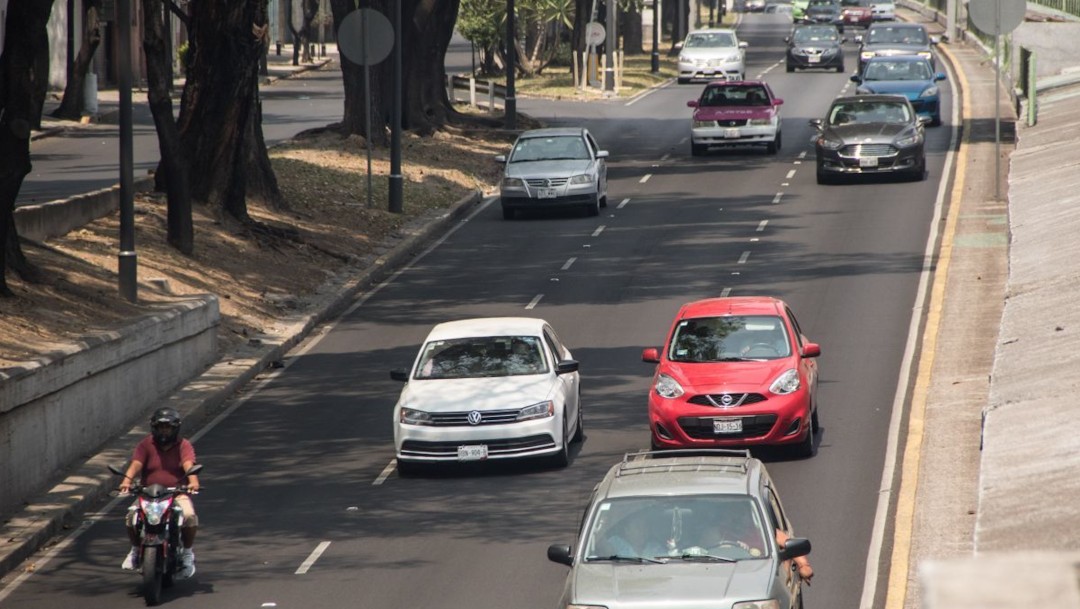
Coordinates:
908	75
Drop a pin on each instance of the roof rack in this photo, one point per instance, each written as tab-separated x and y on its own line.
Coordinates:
641	462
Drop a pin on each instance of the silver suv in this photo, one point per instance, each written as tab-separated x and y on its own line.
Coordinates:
692	529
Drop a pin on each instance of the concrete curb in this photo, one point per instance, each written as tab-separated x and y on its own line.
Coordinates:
62	506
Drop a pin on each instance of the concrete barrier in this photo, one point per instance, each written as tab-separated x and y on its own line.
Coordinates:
57	218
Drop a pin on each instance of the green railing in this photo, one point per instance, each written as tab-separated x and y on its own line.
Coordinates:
1072	7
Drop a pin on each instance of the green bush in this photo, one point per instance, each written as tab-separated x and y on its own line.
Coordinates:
183	55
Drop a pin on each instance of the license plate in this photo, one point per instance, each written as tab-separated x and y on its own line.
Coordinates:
727	425
546	193
870	161
731	133
813	59
472	452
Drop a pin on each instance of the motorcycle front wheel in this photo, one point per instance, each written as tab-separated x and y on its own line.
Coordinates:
151	575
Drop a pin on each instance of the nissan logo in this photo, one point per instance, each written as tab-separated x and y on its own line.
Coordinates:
475	417
725	400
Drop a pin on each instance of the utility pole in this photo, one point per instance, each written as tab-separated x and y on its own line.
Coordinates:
655	36
510	105
127	263
609	47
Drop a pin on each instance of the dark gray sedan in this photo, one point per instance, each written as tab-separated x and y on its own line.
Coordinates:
815	46
888	39
870	134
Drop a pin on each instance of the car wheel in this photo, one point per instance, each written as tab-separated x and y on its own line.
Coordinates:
823	177
773	146
593	208
408	469
806	449
840	68
603	201
508	214
562	458
935	121
579	433
790	68
920	172
683	81
814	421
697	149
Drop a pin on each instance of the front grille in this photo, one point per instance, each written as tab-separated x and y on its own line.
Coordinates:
735	399
867	150
734	122
701	428
513	446
546	182
461	419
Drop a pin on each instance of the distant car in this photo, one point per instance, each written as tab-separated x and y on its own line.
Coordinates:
735	372
554	168
488	389
815	46
778	9
755	6
870	134
824	12
890	39
883	10
683	529
798	9
735	114
906	75
710	54
856	13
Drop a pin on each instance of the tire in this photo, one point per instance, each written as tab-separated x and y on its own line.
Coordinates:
408	469
840	68
824	178
593	209
561	459
508	214
935	121
697	149
151	572
806	448
790	68
579	433
774	146
683	81
603	201
814	424
920	172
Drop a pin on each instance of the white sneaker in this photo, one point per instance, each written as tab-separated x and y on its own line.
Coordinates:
131	563
187	564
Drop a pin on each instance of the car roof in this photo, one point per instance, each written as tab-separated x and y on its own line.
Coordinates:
713	30
487	326
738	83
907	58
897	25
731	305
683	472
552	131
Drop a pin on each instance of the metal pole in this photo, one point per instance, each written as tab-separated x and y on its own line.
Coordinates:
367	101
655	67
396	179
127	260
609	47
997	118
510	103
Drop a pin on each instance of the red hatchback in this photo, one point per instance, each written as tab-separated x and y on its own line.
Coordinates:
735	372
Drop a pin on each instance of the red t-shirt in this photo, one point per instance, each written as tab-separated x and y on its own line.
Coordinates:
165	467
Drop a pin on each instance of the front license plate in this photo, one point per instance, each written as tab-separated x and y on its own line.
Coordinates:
472	452
868	161
727	425
813	59
731	133
546	193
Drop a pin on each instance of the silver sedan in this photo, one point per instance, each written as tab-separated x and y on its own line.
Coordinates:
554	168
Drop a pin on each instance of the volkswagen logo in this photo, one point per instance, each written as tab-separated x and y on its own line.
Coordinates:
475	417
726	399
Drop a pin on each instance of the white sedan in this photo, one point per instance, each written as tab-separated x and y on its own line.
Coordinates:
488	388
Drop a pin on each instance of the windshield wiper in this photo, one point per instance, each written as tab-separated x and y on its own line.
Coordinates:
706	558
617	558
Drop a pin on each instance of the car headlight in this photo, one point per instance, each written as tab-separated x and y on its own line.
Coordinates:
684	59
930	91
769	604
731	58
668	387
581	179
867	54
910	140
798	51
699	124
786	383
411	416
541	410
760	122
513	183
829	143
924	54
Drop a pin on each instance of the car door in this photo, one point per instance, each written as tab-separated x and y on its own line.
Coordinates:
568	384
808	364
780	521
601	166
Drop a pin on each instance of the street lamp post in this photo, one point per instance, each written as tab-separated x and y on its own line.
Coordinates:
396	179
127	266
510	105
655	36
609	47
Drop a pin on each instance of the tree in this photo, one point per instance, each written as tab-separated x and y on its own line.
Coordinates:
309	9
73	102
26	48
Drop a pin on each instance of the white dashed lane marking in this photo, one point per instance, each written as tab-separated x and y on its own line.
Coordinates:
567	265
532	303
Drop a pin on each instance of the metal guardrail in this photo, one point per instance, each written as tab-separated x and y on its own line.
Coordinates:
1070	7
479	93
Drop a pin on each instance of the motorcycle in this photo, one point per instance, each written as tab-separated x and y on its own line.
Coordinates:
158	519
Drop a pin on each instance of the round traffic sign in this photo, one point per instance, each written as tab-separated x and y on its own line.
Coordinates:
365	36
996	17
595	33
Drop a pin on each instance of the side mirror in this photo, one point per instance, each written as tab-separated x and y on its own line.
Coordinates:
939	76
651	355
601	154
925	120
743	45
679	45
692	103
500	158
777	101
116	470
787	38
817	123
858	39
811	350
856	79
843	40
399	375
795	547
195	469
567	366
560	554
935	40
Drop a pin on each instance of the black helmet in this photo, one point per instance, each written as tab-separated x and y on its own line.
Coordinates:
169	417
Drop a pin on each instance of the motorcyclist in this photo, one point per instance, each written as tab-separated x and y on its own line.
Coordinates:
163	457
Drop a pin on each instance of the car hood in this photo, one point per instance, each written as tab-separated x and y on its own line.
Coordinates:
688	585
708	53
813	46
895	48
857	10
908	88
727	376
822	11
547	169
494	393
729	113
868	133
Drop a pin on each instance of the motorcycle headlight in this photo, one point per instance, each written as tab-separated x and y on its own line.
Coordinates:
699	124
829	143
540	410
909	140
760	122
154	510
930	91
513	183
411	416
786	383
580	179
668	387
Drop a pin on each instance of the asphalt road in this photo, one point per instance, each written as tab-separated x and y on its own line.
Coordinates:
303	459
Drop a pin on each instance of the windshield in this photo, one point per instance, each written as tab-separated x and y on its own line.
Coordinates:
557	148
483	356
709	40
897	70
734	95
729	338
804	35
722	527
869	112
897	35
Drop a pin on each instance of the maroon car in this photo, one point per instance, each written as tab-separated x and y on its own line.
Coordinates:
856	13
739	113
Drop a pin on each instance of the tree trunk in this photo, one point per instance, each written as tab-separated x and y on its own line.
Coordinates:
310	9
26	42
630	30
173	163
73	102
220	103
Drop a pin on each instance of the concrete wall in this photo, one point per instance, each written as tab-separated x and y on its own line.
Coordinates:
56	411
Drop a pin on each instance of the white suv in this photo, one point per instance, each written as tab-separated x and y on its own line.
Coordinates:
712	54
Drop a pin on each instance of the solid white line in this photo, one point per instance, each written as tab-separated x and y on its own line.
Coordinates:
724	293
777	198
599	229
568	263
623	204
534	301
790	174
745	256
385	473
761	225
645	179
315	554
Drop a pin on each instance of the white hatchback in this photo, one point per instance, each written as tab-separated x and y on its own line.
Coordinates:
488	388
